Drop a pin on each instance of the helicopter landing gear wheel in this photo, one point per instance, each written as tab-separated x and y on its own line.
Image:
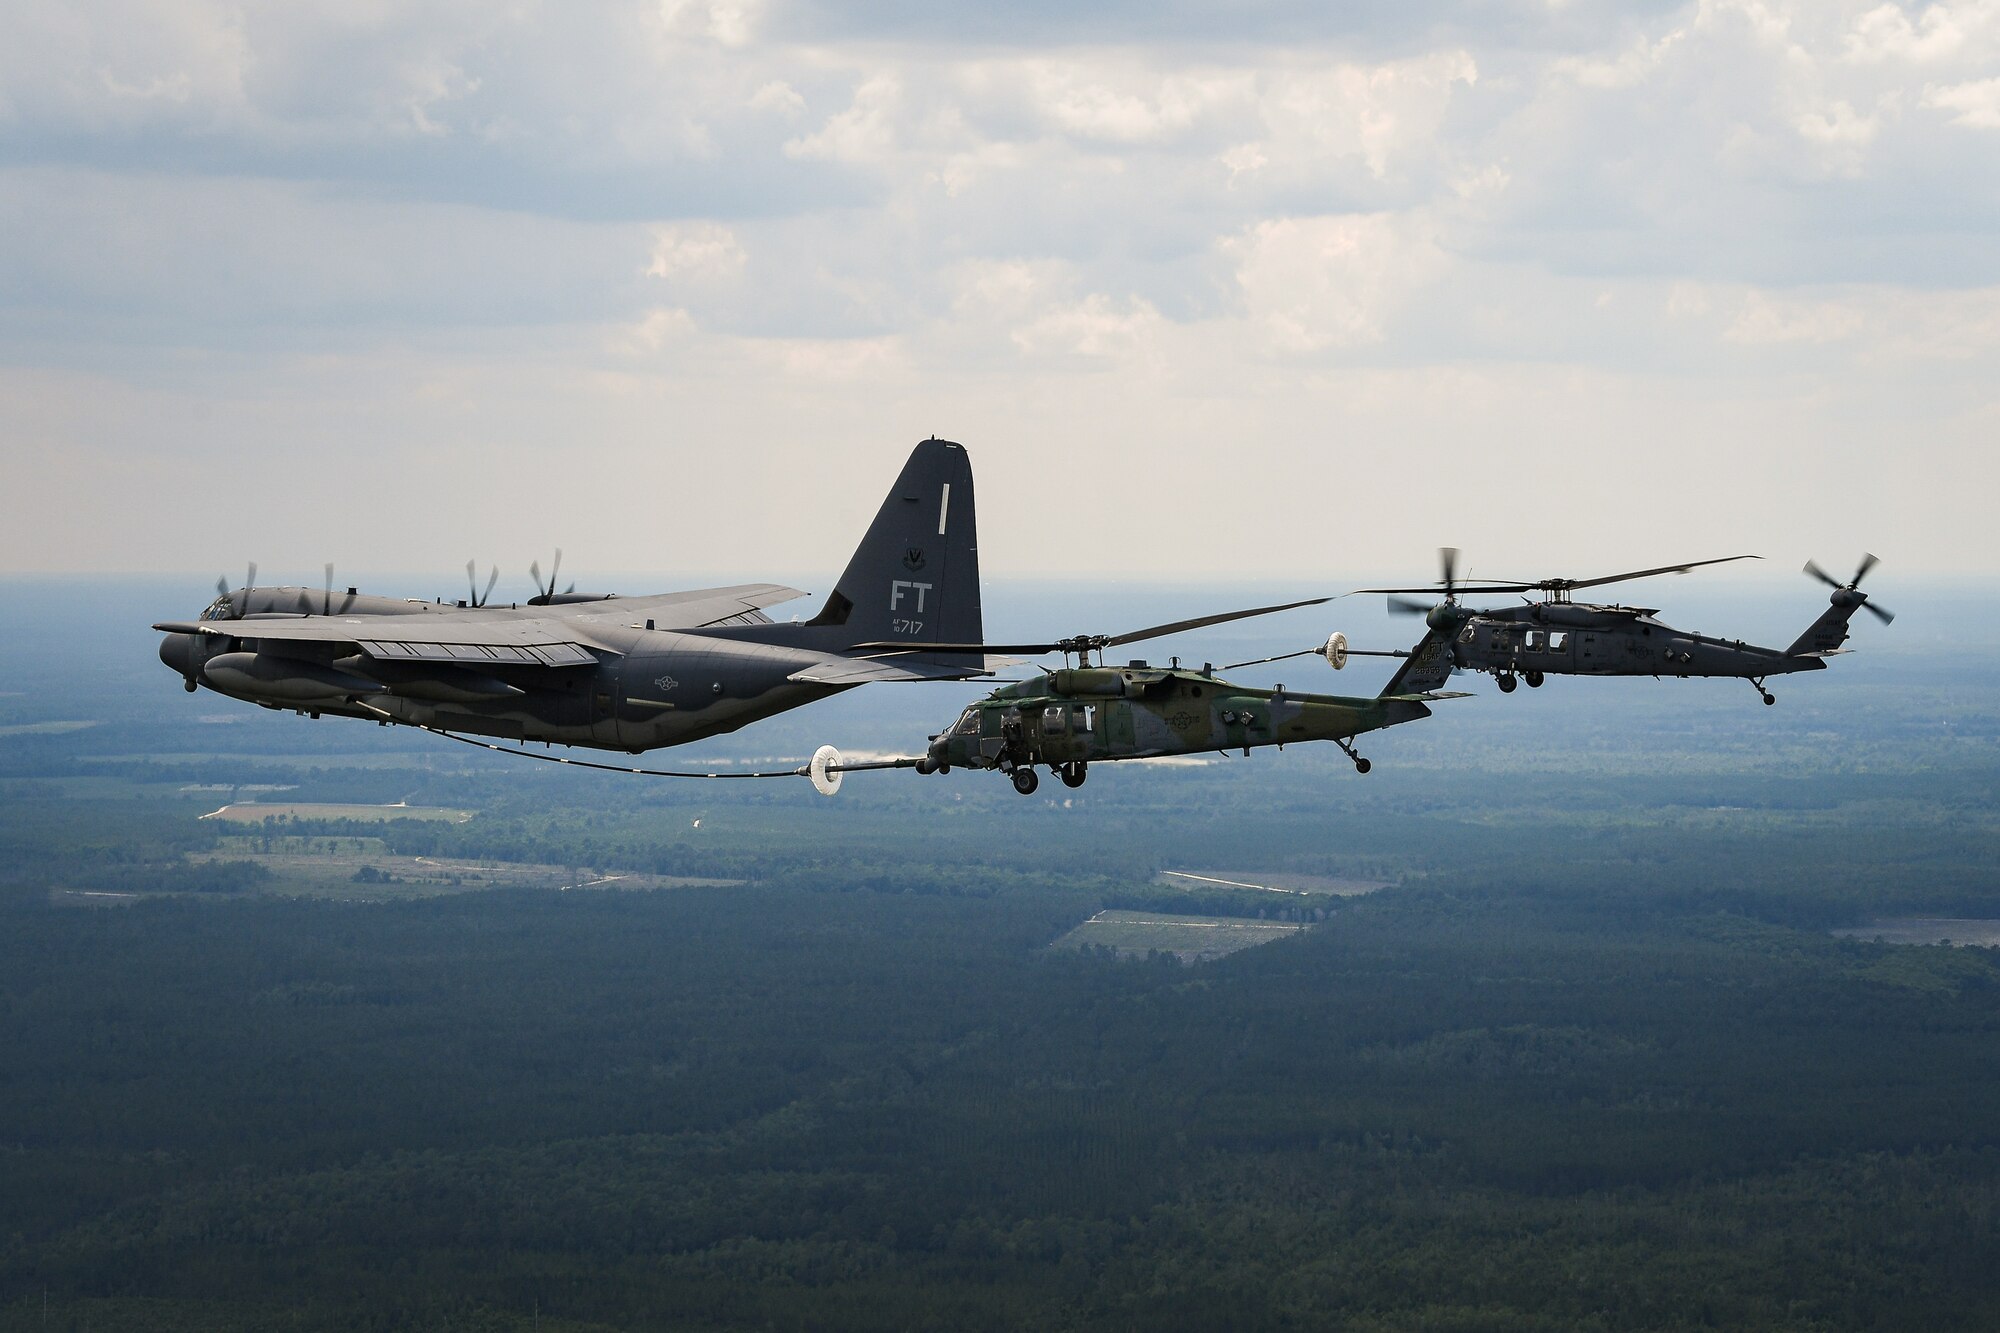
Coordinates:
1360	765
1758	684
1507	684
1534	679
1025	780
1072	775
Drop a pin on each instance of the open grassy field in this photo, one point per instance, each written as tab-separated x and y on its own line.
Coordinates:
258	812
1192	939
1279	882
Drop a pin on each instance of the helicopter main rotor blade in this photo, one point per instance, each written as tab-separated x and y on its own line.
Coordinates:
1200	622
1868	562
1640	573
1881	613
1565	585
1403	606
1093	642
1457	590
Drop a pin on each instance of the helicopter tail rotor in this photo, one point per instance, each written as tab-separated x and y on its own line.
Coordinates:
1849	594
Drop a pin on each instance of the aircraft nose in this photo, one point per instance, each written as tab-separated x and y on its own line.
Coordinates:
177	651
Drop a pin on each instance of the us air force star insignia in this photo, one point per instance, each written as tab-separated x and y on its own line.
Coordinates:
666	684
914	558
1182	720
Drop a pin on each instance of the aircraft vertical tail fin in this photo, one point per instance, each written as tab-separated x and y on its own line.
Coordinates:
915	576
1826	634
1427	667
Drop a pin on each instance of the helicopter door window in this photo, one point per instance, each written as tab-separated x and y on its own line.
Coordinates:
1558	640
1054	718
1086	717
1534	641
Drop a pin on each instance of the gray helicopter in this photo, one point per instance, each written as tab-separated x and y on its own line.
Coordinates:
1556	636
596	669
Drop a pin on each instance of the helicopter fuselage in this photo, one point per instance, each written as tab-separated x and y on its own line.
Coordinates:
1076	716
1575	639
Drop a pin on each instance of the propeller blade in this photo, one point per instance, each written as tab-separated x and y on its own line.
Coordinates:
472	582
1868	562
222	585
326	603
1812	568
1448	567
556	569
535	573
1881	613
487	596
1403	606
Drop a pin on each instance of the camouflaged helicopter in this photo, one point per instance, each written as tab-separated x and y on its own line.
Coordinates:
1556	636
1071	717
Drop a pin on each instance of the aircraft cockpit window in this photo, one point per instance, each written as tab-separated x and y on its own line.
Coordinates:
968	723
219	609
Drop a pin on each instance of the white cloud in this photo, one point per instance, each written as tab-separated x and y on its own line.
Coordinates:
863	134
444	224
1314	283
1977	103
695	251
1767	319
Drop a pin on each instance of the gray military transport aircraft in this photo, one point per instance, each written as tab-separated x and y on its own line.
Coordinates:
617	673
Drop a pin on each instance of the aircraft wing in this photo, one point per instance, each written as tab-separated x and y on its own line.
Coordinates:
521	641
540	636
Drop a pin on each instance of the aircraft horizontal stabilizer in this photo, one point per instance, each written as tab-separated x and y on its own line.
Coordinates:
863	670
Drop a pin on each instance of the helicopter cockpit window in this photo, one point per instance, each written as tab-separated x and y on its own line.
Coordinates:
968	723
219	609
1055	718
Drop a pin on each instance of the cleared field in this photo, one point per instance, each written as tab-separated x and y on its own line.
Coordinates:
1982	932
44	728
358	868
1192	939
1272	882
257	812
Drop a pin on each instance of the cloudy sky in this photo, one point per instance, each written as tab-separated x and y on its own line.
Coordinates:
1231	288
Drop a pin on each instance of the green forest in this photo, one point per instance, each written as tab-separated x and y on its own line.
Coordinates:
1593	1059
